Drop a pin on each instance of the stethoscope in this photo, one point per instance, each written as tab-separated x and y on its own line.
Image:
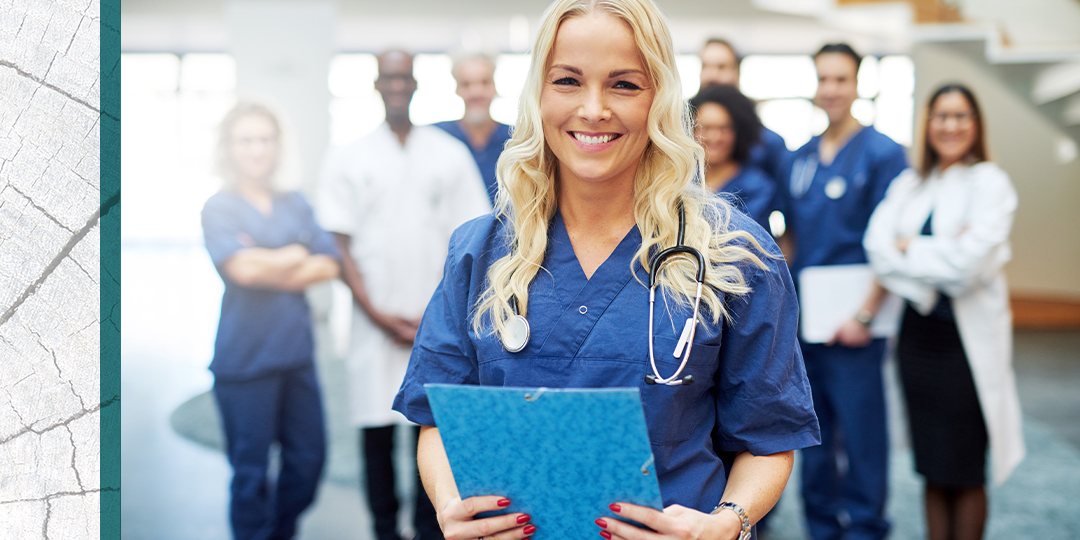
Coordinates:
515	334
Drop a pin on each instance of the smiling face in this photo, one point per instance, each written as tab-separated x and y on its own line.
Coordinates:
838	85
253	148
476	86
396	84
719	65
716	131
595	101
951	128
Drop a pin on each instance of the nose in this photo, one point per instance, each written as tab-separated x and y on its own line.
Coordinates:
594	108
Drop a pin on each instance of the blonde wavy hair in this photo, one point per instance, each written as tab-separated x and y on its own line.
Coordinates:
223	164
670	171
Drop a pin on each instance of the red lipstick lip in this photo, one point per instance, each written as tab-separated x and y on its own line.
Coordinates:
593	147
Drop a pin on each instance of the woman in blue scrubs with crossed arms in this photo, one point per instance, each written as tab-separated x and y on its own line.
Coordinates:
268	249
836	181
591	186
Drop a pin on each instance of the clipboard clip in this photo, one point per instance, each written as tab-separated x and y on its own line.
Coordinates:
533	397
645	466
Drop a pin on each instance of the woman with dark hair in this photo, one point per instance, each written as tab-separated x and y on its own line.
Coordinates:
267	248
727	126
939	239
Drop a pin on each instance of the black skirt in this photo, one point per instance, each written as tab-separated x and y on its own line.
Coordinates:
948	433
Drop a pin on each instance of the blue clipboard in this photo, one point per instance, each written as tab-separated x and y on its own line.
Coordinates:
560	455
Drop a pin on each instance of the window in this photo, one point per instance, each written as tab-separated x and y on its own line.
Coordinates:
171	106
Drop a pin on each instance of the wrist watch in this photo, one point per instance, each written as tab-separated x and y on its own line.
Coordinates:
864	317
744	531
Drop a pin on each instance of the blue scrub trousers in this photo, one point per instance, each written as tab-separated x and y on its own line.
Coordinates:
847	475
284	407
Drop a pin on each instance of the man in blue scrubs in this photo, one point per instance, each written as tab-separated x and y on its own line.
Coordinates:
836	181
720	65
475	76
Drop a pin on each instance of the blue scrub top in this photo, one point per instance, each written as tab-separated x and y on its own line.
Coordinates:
486	157
756	193
750	383
261	331
827	207
771	155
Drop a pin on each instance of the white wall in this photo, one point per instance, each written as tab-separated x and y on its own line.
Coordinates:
1046	245
282	52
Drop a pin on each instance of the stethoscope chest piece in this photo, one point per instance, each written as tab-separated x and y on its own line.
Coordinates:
516	334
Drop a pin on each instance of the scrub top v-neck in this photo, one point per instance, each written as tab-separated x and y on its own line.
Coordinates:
829	206
590	333
261	331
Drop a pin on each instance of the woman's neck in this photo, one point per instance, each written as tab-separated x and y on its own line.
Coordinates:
597	217
717	176
256	193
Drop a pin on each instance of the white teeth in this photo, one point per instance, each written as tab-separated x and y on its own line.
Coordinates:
593	140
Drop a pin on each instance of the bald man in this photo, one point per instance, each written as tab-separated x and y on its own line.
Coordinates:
475	77
392	199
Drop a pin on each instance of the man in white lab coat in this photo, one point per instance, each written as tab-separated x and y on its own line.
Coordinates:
392	199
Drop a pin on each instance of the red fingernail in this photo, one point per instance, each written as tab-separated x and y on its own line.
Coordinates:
615	508
523	518
605	534
503	502
601	523
529	529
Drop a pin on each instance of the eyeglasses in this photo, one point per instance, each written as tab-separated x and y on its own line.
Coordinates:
961	118
723	129
406	78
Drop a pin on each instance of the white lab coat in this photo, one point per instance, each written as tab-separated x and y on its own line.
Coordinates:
973	210
399	205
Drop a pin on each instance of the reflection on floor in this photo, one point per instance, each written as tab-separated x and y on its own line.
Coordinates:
175	480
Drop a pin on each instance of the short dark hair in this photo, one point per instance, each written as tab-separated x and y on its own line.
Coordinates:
976	154
841	48
726	43
743	116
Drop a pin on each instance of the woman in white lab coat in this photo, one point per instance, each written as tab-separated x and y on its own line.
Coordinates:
940	239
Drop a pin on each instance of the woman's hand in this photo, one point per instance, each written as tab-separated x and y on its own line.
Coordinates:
902	243
675	521
458	520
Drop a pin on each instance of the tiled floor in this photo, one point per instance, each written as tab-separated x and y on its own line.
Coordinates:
174	488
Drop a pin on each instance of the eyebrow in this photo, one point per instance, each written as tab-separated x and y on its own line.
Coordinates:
613	74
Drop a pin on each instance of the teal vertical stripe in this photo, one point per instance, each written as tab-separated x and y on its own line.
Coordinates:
110	268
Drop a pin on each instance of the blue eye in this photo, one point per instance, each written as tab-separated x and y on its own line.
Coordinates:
565	81
627	85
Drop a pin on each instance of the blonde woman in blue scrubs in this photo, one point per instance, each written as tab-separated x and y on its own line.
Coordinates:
591	185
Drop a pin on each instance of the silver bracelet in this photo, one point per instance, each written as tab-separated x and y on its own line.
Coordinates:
744	533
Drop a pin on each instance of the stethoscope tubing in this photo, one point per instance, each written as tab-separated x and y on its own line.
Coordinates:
689	331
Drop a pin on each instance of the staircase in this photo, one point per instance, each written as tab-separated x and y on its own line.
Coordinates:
1033	46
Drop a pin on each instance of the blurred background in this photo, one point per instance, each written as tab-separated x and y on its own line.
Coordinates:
184	64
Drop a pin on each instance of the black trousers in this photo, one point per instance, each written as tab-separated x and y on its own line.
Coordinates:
378	446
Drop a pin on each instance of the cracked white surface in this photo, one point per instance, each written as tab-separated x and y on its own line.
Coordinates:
49	273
